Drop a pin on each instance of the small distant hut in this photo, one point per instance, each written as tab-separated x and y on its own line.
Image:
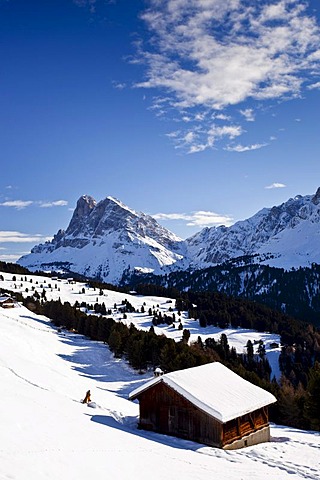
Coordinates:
6	301
209	404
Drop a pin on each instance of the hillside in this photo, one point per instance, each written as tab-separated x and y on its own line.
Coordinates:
79	292
295	292
151	329
47	433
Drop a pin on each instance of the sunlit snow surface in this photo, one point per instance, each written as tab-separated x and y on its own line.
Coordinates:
47	433
64	291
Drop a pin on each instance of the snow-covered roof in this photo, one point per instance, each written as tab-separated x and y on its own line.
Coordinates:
214	389
5	298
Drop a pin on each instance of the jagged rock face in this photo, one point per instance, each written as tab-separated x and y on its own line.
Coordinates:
280	235
105	240
108	239
84	207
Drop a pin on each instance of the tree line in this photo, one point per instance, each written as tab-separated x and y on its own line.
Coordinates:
295	292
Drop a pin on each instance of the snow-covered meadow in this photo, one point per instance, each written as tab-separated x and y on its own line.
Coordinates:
79	292
47	433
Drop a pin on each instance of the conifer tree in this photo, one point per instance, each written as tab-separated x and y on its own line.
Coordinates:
312	407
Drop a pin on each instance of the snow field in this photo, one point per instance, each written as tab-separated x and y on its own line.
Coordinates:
47	433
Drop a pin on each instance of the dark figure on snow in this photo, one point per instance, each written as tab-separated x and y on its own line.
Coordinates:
87	398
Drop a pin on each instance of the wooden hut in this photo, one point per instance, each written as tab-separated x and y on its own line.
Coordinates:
209	404
6	302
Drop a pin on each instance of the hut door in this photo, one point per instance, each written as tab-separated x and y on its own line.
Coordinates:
164	417
172	419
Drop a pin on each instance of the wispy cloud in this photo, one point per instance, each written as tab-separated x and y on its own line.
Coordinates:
18	237
210	55
57	203
248	114
275	185
11	257
221	116
86	3
199	139
245	148
314	86
200	218
18	204
119	85
21	204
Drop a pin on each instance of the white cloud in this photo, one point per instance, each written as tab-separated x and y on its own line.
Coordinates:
314	86
18	237
274	12
119	85
275	185
18	204
173	134
208	219
208	55
245	148
248	114
200	218
57	203
221	116
10	257
198	148
189	137
199	139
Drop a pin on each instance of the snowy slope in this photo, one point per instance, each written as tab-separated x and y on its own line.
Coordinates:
73	292
46	433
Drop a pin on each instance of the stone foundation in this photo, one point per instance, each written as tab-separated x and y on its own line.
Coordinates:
260	436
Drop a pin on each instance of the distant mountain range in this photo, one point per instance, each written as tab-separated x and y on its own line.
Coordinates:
112	242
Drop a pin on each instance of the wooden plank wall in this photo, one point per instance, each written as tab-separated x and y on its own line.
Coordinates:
165	411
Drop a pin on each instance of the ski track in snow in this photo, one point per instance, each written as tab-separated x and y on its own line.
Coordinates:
23	378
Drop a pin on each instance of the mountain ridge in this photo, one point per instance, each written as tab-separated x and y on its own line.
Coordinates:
104	239
109	240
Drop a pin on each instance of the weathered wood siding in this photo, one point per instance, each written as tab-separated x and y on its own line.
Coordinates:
165	411
245	425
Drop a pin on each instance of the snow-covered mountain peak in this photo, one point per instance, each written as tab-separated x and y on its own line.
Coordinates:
122	205
84	206
107	239
284	235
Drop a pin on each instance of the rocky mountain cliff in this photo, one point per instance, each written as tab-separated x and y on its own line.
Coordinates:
282	236
106	239
110	241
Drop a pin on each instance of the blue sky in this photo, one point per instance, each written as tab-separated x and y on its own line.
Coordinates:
199	112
